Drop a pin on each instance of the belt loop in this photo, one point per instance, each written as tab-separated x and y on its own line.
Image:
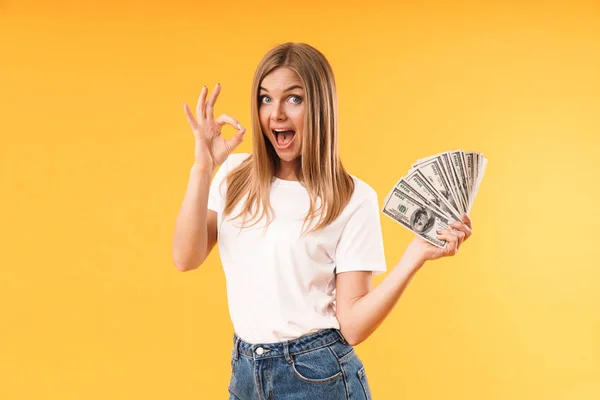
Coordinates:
235	347
286	352
342	338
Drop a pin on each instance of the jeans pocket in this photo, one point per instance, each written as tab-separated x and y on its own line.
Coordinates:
362	377
316	366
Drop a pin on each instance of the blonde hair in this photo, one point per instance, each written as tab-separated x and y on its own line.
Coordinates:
322	172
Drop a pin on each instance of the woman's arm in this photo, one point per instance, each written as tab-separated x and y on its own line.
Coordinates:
196	225
360	310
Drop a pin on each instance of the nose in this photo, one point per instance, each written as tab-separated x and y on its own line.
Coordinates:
277	114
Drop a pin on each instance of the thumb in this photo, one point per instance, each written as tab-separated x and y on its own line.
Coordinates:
236	140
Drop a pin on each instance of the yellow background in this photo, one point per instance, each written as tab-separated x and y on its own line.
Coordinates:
95	155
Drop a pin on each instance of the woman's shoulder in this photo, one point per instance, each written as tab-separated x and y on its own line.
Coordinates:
229	165
235	159
362	191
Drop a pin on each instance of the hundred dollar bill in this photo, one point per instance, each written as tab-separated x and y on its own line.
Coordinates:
461	175
470	163
416	217
463	160
443	163
417	181
445	160
478	160
432	170
405	187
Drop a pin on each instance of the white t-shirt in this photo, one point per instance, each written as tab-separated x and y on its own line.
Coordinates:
281	286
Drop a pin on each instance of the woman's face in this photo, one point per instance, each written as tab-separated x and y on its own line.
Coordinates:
281	107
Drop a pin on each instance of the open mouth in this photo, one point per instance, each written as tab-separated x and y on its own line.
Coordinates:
284	138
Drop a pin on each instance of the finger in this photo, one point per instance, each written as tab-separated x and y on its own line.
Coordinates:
200	113
457	236
210	106
452	232
454	248
227	148
461	227
190	117
445	235
461	237
468	221
451	238
226	119
454	245
236	140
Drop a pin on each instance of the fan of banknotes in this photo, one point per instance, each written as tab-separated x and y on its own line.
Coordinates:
437	190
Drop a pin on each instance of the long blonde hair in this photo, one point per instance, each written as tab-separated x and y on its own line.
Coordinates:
322	172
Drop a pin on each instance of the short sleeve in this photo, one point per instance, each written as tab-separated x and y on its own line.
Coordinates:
360	247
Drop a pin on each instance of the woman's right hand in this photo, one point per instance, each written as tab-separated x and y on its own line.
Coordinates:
212	149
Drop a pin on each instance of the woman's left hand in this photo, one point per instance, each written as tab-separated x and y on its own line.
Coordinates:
455	237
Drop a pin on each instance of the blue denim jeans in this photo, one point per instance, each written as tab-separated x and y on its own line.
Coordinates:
320	365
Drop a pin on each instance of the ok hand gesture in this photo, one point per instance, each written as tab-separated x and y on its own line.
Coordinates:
212	149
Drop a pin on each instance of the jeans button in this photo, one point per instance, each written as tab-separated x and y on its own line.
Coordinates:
259	351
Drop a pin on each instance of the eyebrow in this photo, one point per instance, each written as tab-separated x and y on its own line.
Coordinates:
286	90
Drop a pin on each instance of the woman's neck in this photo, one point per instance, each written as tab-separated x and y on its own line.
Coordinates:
288	171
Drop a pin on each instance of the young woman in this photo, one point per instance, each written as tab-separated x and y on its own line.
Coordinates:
299	237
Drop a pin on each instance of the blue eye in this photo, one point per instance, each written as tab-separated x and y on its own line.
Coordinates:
261	98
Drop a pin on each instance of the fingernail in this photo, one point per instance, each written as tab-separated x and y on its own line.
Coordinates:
239	126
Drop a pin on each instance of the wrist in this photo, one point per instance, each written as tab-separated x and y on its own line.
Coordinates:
411	263
201	168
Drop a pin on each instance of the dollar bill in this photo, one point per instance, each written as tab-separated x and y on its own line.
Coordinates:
446	162
415	216
436	190
461	175
433	171
470	163
405	187
417	181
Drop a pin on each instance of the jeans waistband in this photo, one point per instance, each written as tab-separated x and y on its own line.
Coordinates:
314	340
